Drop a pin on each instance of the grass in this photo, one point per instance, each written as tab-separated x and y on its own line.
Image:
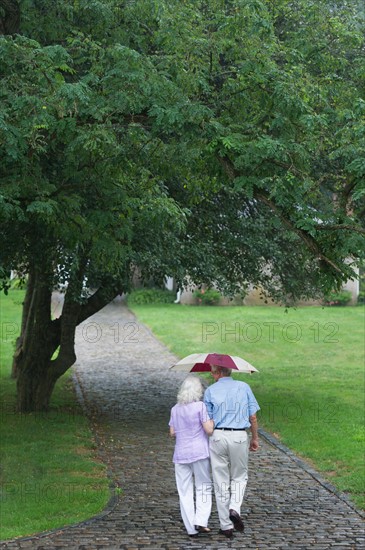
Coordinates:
50	476
311	381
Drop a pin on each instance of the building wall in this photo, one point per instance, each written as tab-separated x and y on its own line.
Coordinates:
253	298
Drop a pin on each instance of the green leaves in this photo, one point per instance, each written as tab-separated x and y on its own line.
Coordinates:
157	132
42	209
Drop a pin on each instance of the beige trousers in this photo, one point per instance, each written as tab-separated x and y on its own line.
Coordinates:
229	461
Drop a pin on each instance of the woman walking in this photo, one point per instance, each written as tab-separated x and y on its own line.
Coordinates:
190	424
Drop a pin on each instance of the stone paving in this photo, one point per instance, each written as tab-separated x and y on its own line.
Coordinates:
123	381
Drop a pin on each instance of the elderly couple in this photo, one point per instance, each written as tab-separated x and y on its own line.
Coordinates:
227	411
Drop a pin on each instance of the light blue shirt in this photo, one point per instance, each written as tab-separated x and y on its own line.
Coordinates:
230	403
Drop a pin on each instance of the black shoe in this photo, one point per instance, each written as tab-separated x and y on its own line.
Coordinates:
202	529
226	532
194	536
236	520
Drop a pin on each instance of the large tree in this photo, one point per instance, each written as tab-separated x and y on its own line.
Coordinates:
219	141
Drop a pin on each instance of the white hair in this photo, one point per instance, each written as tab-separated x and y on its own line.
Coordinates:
190	390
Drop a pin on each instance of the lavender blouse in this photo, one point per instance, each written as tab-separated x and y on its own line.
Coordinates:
191	439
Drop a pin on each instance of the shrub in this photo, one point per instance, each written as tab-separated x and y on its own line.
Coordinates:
208	297
145	296
361	297
338	298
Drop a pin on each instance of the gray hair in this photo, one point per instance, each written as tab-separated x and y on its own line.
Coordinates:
190	390
224	371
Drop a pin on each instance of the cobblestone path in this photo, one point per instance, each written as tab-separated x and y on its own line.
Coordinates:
122	377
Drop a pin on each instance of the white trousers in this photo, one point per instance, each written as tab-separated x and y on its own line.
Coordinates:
229	459
194	513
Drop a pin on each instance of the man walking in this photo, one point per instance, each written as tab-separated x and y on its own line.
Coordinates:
232	406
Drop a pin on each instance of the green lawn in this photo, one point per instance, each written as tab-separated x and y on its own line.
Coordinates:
311	380
49	474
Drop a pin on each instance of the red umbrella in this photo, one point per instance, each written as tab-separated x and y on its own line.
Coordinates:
201	362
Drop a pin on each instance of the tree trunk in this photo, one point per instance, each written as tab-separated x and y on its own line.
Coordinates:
36	369
19	341
37	343
34	388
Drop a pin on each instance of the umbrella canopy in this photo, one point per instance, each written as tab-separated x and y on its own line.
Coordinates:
201	362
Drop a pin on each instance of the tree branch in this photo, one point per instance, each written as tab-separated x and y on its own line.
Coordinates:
101	298
305	237
66	356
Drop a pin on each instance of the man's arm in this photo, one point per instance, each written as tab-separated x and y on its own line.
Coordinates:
254	444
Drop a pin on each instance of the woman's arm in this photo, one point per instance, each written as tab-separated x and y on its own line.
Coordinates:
172	431
208	427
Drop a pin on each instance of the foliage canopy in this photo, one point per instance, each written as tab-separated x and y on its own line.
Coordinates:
220	141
